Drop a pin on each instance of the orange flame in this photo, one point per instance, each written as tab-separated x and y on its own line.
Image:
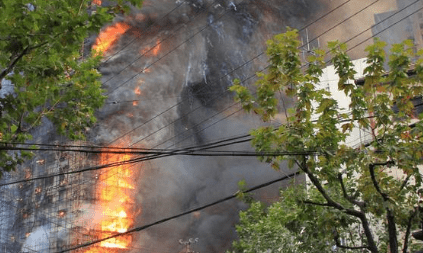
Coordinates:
137	91
97	2
114	193
109	36
134	103
152	51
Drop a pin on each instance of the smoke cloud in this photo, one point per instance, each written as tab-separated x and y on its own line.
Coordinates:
184	80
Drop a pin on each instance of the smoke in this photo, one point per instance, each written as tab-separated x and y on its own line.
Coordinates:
39	239
201	45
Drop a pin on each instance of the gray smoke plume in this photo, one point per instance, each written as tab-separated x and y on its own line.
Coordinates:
200	44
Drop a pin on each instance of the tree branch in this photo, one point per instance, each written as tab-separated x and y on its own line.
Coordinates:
392	230
404	183
6	71
330	201
339	245
408	231
360	204
315	203
364	222
28	49
373	177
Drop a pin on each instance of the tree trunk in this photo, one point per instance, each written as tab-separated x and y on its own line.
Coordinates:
392	230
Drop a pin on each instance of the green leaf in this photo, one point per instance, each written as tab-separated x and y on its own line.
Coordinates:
13	128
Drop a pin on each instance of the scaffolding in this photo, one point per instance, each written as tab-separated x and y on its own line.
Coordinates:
41	215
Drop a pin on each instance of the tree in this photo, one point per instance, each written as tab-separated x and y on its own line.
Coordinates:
41	54
353	199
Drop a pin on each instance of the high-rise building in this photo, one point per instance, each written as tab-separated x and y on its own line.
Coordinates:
403	23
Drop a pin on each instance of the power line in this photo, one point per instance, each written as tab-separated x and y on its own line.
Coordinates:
407	16
148	66
353	37
153	224
137	229
309	24
230	72
119	149
149	26
162	155
268	65
110	165
246	79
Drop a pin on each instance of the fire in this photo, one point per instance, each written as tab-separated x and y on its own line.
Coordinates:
97	2
137	91
114	194
134	103
109	36
156	49
152	51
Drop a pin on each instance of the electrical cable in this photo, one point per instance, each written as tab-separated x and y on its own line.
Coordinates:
363	32
143	227
139	228
81	171
148	27
309	24
161	155
312	40
171	51
328	13
315	21
242	65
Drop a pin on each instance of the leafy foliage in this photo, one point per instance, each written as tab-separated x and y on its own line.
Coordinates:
363	198
41	46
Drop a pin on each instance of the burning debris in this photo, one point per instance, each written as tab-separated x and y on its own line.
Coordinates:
61	213
41	162
38	190
137	91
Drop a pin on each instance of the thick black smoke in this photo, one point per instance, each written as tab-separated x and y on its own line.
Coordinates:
202	44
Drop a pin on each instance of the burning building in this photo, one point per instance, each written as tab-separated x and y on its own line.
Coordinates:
166	69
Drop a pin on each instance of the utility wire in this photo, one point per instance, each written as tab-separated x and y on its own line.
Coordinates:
137	229
397	12
160	155
309	24
148	27
98	167
235	69
166	219
172	217
171	51
117	150
348	40
177	152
